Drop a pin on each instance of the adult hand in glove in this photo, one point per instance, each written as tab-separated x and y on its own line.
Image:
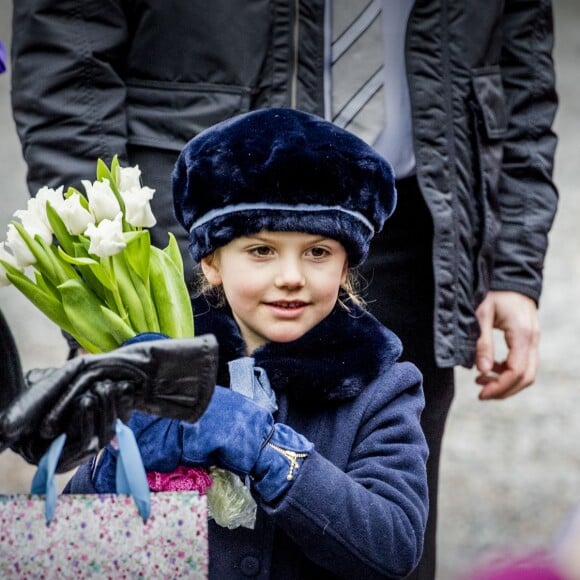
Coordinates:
234	433
173	378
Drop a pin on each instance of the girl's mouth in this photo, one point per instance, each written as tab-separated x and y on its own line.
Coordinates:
287	305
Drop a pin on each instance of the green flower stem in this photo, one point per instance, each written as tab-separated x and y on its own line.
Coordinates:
90	271
87	316
131	298
117	304
119	330
149	310
62	270
137	258
46	286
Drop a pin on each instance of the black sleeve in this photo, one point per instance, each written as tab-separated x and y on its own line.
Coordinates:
528	197
68	92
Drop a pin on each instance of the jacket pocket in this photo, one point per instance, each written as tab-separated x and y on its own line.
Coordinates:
489	118
168	114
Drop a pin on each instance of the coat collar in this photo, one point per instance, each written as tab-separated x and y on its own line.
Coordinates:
333	361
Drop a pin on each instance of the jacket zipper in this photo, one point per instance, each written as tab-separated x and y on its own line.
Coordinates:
291	456
296	35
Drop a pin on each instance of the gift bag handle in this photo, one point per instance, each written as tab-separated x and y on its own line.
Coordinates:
130	475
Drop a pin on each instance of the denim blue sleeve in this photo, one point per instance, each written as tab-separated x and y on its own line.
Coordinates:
82	480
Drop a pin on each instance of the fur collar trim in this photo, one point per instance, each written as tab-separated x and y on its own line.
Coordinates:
333	361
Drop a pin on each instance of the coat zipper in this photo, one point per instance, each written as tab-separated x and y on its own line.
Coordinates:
291	456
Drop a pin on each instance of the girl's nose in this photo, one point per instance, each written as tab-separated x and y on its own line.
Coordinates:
290	275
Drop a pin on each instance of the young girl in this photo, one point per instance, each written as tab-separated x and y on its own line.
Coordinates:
280	206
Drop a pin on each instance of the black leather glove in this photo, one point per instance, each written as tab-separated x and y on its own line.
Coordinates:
171	378
88	420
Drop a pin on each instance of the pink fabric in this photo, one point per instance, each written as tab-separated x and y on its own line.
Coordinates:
182	479
535	566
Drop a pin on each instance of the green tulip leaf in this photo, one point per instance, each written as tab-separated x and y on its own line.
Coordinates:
130	298
170	296
173	252
44	300
137	252
60	230
76	260
103	171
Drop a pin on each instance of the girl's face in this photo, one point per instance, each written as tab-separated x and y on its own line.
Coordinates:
279	285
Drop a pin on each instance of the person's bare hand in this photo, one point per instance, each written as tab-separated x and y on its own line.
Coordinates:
516	315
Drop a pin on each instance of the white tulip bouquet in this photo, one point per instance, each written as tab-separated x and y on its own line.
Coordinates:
94	270
97	276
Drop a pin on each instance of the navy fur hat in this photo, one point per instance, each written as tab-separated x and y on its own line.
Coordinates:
281	170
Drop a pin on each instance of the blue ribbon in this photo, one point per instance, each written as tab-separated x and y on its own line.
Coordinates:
131	477
43	482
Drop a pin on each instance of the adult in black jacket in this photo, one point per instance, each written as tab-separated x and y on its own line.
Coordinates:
465	249
10	369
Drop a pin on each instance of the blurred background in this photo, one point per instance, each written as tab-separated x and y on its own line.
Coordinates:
510	469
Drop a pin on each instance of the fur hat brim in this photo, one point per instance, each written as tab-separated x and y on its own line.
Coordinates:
281	170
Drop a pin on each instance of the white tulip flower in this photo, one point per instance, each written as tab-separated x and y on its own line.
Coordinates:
107	237
53	196
102	201
43	196
137	207
7	257
128	178
24	257
34	219
75	217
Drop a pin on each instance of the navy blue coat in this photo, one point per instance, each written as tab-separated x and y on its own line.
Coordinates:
359	504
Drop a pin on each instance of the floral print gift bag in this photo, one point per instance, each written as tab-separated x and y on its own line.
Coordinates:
133	534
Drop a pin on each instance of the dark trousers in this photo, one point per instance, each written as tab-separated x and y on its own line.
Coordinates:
400	293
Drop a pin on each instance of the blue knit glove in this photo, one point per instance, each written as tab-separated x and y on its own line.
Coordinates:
234	433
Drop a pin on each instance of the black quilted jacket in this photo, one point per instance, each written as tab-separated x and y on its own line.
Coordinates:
91	77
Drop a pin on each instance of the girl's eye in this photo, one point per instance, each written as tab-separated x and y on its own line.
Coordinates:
318	252
261	251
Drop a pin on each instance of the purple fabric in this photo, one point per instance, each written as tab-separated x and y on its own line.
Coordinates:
2	57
